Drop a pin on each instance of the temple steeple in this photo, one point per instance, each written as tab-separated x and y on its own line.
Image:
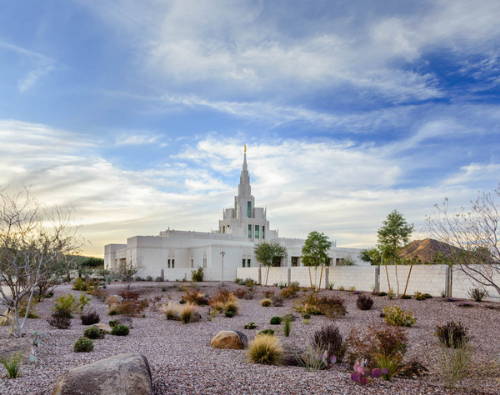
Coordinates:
244	188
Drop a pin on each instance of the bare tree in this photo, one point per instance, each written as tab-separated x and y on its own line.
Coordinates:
32	241
475	233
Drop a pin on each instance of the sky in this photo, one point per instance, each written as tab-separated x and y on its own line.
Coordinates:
133	114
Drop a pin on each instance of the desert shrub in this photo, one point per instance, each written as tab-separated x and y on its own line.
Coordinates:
313	359
413	369
197	275
265	349
289	317
266	302
391	294
149	278
250	325
223	301
275	321
240	293
452	334
189	313
129	295
65	305
172	311
352	289
83	344
331	306
268	294
131	308
99	293
59	320
478	294
290	291
23	305
379	348
83	301
90	318
195	297
120	330
229	314
287	327
394	315
249	283
364	302
277	301
12	365
306	316
454	364
94	333
422	296
159	279
405	297
329	340
381	294
266	332
80	284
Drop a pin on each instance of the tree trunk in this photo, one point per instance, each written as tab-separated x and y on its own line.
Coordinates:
310	277
267	274
320	277
397	278
408	279
387	275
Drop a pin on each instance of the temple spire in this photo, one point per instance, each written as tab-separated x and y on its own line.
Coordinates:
244	187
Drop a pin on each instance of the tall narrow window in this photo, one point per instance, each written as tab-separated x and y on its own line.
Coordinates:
249	231
263	232
173	263
249	209
256	231
243	262
249	261
168	263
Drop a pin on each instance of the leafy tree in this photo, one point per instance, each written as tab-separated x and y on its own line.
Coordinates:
93	262
315	253
372	255
392	236
266	252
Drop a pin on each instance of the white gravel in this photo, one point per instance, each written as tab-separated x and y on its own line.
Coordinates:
182	361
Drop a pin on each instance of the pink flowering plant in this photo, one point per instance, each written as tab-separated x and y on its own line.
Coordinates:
362	375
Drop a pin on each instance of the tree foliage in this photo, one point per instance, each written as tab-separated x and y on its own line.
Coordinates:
315	253
265	253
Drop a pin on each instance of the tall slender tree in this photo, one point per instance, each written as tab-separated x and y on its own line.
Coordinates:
315	253
392	236
266	252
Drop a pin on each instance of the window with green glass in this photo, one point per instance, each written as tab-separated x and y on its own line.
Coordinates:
256	231
249	231
249	209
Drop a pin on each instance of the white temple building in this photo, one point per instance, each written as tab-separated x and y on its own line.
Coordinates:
174	254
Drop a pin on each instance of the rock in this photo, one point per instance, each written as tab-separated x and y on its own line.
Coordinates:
122	374
105	327
229	339
113	299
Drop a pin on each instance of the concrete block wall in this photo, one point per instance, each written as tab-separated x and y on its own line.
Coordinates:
430	279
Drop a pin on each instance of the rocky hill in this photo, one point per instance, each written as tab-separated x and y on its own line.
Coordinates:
428	251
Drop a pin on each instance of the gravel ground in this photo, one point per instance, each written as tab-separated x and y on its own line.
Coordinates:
182	361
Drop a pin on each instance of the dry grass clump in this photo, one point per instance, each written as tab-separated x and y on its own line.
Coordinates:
290	291
224	301
131	308
313	303
265	349
396	316
244	293
182	312
195	297
266	302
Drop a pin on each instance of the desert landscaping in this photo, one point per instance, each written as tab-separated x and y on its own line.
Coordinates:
178	346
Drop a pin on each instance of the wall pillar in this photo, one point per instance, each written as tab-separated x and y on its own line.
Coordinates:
448	286
327	277
377	278
162	275
289	275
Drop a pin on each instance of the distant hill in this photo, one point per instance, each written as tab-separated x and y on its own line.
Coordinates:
428	251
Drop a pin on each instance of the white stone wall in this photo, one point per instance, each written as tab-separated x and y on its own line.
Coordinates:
424	278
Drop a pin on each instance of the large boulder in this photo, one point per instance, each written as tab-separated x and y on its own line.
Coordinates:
122	374
229	339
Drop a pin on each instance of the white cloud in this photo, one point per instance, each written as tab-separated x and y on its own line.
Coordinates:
137	139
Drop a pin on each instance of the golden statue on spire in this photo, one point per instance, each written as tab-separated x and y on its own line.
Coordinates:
245	148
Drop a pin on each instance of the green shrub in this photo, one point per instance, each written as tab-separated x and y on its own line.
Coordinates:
80	284
266	302
306	316
478	294
82	302
83	344
197	275
229	313
265	349
59	320
12	365
94	333
452	334
275	321
120	330
266	332
287	327
422	296
394	315
250	325
65	305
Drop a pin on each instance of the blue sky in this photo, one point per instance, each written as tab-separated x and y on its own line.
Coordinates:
133	113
